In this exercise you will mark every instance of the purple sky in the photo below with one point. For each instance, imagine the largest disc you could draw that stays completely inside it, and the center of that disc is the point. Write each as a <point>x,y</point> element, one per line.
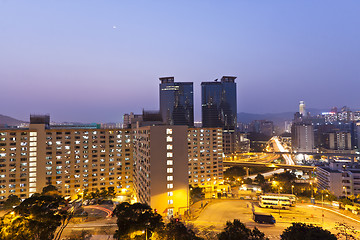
<point>93,61</point>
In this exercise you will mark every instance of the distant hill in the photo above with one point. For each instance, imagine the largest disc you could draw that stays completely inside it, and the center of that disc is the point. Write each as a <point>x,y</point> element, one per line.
<point>6,120</point>
<point>277,118</point>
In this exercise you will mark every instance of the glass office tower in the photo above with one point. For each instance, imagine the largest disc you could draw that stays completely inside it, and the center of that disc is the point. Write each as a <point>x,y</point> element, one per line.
<point>176,102</point>
<point>218,103</point>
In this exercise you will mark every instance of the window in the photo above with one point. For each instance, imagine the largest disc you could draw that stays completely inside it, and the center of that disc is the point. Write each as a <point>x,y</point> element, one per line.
<point>169,162</point>
<point>169,147</point>
<point>170,178</point>
<point>170,186</point>
<point>169,139</point>
<point>169,170</point>
<point>170,201</point>
<point>170,194</point>
<point>168,131</point>
<point>169,154</point>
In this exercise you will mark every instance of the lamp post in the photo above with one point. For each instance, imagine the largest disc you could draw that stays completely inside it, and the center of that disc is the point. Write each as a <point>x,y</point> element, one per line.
<point>345,191</point>
<point>279,203</point>
<point>292,189</point>
<point>312,193</point>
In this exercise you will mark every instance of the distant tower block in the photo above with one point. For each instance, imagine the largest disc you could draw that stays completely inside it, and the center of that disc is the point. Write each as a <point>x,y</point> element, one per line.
<point>302,110</point>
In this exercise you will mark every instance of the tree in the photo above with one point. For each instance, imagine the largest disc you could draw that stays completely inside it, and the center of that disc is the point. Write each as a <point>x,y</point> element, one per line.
<point>111,192</point>
<point>237,230</point>
<point>260,179</point>
<point>135,217</point>
<point>345,231</point>
<point>175,229</point>
<point>196,194</point>
<point>37,217</point>
<point>248,181</point>
<point>11,201</point>
<point>301,231</point>
<point>50,190</point>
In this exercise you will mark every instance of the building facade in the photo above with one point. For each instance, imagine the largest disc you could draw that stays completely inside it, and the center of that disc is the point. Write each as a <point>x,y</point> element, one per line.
<point>161,168</point>
<point>218,103</point>
<point>340,178</point>
<point>152,163</point>
<point>176,102</point>
<point>72,159</point>
<point>302,137</point>
<point>205,156</point>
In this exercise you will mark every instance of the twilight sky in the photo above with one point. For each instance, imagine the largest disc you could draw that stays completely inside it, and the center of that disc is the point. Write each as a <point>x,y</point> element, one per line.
<point>93,61</point>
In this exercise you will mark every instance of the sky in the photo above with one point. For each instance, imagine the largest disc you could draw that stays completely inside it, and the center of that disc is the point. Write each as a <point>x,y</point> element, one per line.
<point>93,61</point>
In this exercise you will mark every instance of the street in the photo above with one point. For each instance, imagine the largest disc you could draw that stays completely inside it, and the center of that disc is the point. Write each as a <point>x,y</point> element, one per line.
<point>220,211</point>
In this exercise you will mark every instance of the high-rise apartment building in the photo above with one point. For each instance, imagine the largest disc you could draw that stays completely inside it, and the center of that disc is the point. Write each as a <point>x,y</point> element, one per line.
<point>154,163</point>
<point>218,102</point>
<point>176,102</point>
<point>205,156</point>
<point>72,159</point>
<point>161,167</point>
<point>302,135</point>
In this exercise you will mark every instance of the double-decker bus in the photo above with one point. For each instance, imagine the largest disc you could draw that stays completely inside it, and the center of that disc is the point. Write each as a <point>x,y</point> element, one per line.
<point>277,201</point>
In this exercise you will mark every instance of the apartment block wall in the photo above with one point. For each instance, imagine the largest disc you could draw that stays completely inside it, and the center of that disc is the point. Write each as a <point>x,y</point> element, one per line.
<point>205,146</point>
<point>161,171</point>
<point>71,159</point>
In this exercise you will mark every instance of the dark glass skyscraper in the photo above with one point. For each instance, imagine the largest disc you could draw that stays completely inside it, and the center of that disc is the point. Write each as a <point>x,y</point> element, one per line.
<point>218,103</point>
<point>176,102</point>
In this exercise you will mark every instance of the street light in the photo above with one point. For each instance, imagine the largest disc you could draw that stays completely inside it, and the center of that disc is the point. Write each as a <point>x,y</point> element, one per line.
<point>312,193</point>
<point>292,189</point>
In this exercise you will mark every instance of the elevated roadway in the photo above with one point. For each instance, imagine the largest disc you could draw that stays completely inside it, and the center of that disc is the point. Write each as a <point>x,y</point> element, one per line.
<point>269,165</point>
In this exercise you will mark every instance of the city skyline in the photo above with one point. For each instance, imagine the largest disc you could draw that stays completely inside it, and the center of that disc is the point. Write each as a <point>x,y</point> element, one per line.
<point>93,62</point>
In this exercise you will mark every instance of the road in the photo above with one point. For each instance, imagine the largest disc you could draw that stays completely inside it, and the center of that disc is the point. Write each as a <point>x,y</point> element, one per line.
<point>268,174</point>
<point>217,213</point>
<point>279,148</point>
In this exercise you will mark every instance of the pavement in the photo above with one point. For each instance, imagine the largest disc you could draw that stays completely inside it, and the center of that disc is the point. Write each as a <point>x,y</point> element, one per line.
<point>218,212</point>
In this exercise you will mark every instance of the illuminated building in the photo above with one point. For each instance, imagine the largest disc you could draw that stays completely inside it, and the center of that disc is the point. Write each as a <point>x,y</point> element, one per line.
<point>176,102</point>
<point>72,159</point>
<point>302,137</point>
<point>302,110</point>
<point>161,168</point>
<point>340,178</point>
<point>205,156</point>
<point>150,162</point>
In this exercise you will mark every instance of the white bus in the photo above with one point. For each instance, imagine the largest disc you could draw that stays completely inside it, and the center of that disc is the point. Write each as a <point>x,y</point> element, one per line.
<point>277,201</point>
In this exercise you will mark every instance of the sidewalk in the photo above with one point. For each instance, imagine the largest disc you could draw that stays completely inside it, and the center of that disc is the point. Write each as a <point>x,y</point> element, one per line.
<point>197,208</point>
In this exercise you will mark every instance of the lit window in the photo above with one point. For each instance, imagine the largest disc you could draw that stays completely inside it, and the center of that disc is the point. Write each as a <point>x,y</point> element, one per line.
<point>169,170</point>
<point>170,186</point>
<point>170,194</point>
<point>168,131</point>
<point>169,139</point>
<point>169,154</point>
<point>170,201</point>
<point>170,178</point>
<point>169,162</point>
<point>32,149</point>
<point>33,134</point>
<point>169,147</point>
